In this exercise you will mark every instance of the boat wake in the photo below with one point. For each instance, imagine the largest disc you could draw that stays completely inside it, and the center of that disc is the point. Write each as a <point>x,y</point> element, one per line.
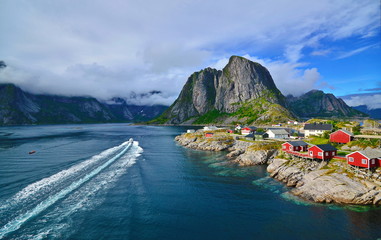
<point>52,202</point>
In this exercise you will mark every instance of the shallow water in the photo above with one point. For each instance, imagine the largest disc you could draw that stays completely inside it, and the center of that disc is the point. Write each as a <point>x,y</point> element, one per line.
<point>91,182</point>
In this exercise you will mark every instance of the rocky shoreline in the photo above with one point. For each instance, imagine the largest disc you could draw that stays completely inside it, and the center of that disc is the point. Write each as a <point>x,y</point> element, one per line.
<point>321,182</point>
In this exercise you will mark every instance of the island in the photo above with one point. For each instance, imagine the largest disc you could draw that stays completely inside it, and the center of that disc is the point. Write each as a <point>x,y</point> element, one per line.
<point>330,180</point>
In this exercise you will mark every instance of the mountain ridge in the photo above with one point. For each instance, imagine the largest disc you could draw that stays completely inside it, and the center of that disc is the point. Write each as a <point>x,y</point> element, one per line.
<point>19,107</point>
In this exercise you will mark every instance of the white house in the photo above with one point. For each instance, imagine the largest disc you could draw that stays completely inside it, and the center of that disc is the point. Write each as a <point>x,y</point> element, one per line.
<point>316,129</point>
<point>209,128</point>
<point>278,133</point>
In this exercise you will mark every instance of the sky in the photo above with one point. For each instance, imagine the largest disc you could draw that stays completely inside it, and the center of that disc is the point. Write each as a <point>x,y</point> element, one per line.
<point>122,47</point>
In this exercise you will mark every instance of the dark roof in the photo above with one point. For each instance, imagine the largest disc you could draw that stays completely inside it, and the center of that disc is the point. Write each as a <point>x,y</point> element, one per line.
<point>250,135</point>
<point>259,133</point>
<point>318,126</point>
<point>297,143</point>
<point>326,147</point>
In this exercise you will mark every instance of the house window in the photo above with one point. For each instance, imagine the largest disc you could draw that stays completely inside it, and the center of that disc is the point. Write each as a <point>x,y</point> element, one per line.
<point>373,161</point>
<point>320,154</point>
<point>351,159</point>
<point>310,153</point>
<point>363,161</point>
<point>333,154</point>
<point>326,154</point>
<point>290,148</point>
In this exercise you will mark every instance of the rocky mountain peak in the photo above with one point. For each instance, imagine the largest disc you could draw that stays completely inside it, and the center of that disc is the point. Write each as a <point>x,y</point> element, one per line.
<point>244,80</point>
<point>239,86</point>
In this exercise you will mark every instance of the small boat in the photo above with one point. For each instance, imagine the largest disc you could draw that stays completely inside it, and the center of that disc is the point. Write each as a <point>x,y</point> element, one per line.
<point>31,152</point>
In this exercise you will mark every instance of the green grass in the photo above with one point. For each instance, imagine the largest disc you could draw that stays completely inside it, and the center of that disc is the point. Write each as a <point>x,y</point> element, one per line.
<point>318,140</point>
<point>210,117</point>
<point>363,143</point>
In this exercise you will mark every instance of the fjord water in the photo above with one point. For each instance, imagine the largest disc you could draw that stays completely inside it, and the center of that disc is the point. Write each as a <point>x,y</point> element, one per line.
<point>93,182</point>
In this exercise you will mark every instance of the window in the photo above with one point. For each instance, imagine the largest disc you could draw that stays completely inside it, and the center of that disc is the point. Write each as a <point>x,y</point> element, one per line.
<point>310,153</point>
<point>326,154</point>
<point>320,154</point>
<point>373,161</point>
<point>290,148</point>
<point>333,154</point>
<point>351,159</point>
<point>364,161</point>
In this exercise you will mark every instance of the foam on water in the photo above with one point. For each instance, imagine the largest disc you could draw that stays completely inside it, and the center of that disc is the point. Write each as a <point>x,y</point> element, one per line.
<point>46,184</point>
<point>79,193</point>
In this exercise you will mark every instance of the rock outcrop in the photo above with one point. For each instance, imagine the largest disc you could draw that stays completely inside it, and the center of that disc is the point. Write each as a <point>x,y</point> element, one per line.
<point>239,151</point>
<point>315,183</point>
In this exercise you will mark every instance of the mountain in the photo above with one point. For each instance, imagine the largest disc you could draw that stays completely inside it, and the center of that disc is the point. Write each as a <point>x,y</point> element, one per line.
<point>373,113</point>
<point>316,103</point>
<point>243,91</point>
<point>18,107</point>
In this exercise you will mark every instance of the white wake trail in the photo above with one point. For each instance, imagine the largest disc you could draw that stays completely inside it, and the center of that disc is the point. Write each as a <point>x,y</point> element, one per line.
<point>17,222</point>
<point>45,184</point>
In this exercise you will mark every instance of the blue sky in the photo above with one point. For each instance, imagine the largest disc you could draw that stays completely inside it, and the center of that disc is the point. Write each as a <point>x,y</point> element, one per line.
<point>112,48</point>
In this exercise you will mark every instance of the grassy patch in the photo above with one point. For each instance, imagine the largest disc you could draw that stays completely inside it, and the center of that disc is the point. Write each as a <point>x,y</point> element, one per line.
<point>210,117</point>
<point>261,145</point>
<point>318,140</point>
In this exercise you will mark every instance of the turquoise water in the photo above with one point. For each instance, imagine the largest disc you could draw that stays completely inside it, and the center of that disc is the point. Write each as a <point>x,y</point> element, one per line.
<point>93,182</point>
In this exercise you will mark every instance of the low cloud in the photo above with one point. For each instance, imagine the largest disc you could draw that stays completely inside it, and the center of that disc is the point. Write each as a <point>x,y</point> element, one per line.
<point>371,100</point>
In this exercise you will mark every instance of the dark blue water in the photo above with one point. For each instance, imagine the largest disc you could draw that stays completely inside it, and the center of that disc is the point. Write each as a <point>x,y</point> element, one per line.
<point>91,182</point>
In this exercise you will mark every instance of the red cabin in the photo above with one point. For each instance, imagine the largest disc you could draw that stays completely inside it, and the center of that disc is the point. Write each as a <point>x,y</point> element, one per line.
<point>209,135</point>
<point>322,151</point>
<point>341,136</point>
<point>229,131</point>
<point>246,130</point>
<point>366,159</point>
<point>295,146</point>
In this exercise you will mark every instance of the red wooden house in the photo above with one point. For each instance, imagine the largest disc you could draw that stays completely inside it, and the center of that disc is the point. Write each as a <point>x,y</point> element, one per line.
<point>341,136</point>
<point>246,130</point>
<point>322,151</point>
<point>230,131</point>
<point>209,134</point>
<point>295,146</point>
<point>366,158</point>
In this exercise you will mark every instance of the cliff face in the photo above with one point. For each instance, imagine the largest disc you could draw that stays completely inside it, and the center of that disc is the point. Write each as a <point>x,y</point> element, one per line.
<point>316,103</point>
<point>197,96</point>
<point>243,91</point>
<point>18,107</point>
<point>244,80</point>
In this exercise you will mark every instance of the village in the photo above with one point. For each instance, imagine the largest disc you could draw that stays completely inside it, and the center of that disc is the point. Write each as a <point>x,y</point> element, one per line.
<point>317,141</point>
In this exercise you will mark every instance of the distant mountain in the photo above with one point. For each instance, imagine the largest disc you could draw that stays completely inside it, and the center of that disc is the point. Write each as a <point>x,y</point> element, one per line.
<point>19,107</point>
<point>373,113</point>
<point>243,91</point>
<point>316,103</point>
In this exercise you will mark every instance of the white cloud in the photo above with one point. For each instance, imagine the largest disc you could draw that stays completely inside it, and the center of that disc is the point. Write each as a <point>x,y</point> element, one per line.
<point>108,48</point>
<point>355,51</point>
<point>371,101</point>
<point>321,52</point>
